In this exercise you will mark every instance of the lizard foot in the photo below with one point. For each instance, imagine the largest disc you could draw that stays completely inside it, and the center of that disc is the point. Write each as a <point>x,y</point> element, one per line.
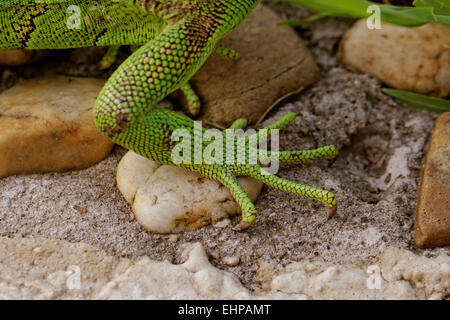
<point>226,174</point>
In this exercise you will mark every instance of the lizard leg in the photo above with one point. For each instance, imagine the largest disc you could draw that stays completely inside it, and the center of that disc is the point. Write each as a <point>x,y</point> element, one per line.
<point>109,57</point>
<point>193,102</point>
<point>226,52</point>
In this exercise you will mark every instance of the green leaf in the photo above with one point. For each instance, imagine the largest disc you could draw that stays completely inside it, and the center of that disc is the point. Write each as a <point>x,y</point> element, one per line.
<point>420,101</point>
<point>407,16</point>
<point>424,12</point>
<point>441,7</point>
<point>443,19</point>
<point>337,7</point>
<point>310,19</point>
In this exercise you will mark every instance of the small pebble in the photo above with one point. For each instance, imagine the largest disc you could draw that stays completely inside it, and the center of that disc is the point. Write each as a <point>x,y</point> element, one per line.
<point>222,223</point>
<point>214,254</point>
<point>79,209</point>
<point>231,261</point>
<point>173,239</point>
<point>37,250</point>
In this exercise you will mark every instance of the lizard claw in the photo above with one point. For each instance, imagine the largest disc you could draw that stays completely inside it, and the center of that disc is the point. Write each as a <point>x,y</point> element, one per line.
<point>242,226</point>
<point>331,162</point>
<point>332,212</point>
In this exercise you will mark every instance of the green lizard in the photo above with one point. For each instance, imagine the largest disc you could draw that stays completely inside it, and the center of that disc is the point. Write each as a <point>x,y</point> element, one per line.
<point>176,38</point>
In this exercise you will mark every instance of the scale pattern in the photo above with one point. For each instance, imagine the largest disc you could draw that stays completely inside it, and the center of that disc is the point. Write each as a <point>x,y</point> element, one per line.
<point>176,38</point>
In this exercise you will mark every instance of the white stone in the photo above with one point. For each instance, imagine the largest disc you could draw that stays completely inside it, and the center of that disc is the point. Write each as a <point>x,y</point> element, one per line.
<point>167,199</point>
<point>403,275</point>
<point>231,261</point>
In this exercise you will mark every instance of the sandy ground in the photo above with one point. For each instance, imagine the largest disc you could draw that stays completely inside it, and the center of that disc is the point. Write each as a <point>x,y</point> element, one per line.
<point>375,178</point>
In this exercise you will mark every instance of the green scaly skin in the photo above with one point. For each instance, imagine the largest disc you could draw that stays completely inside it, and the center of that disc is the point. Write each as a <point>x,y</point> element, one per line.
<point>176,38</point>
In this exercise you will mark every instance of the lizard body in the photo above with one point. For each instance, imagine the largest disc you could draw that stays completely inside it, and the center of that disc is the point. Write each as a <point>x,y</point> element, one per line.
<point>61,24</point>
<point>176,38</point>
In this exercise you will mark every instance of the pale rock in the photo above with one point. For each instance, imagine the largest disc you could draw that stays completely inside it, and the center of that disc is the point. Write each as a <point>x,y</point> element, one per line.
<point>222,223</point>
<point>194,279</point>
<point>132,173</point>
<point>430,276</point>
<point>398,274</point>
<point>396,170</point>
<point>329,282</point>
<point>25,274</point>
<point>371,236</point>
<point>56,269</point>
<point>53,269</point>
<point>413,59</point>
<point>46,124</point>
<point>167,199</point>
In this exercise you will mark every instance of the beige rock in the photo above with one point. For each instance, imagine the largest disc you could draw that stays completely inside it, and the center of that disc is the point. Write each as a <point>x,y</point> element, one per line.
<point>47,125</point>
<point>398,274</point>
<point>194,279</point>
<point>56,269</point>
<point>413,59</point>
<point>274,61</point>
<point>167,199</point>
<point>432,223</point>
<point>14,58</point>
<point>430,277</point>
